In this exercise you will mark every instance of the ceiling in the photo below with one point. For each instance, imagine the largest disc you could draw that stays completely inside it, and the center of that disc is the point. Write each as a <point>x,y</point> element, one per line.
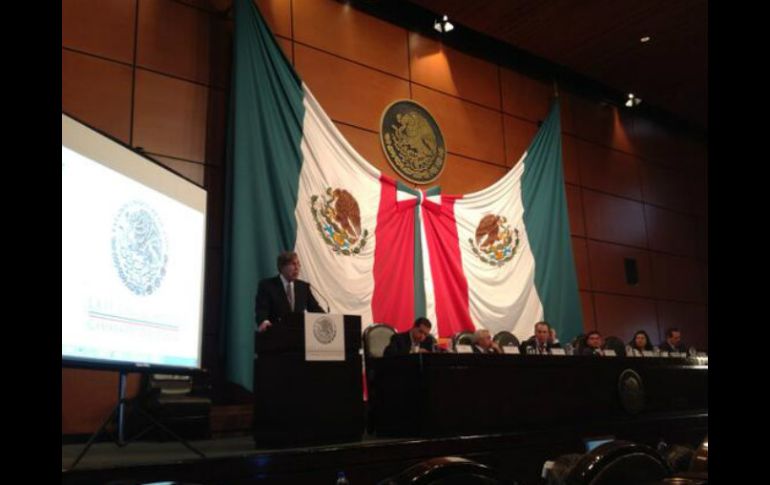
<point>600,39</point>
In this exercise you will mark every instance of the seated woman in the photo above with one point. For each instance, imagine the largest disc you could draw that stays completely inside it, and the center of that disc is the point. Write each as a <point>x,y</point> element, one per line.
<point>640,342</point>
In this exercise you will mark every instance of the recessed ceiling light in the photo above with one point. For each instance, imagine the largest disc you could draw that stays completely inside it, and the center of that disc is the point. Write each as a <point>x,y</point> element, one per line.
<point>645,39</point>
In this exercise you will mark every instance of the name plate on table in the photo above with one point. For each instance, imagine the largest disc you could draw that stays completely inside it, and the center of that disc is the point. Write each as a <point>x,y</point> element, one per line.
<point>609,353</point>
<point>510,349</point>
<point>324,336</point>
<point>557,351</point>
<point>464,349</point>
<point>648,353</point>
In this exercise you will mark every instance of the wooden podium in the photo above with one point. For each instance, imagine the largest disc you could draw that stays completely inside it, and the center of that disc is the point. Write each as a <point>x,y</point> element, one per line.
<point>299,402</point>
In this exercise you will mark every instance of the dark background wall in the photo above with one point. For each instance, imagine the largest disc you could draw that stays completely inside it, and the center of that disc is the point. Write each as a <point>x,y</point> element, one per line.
<point>155,74</point>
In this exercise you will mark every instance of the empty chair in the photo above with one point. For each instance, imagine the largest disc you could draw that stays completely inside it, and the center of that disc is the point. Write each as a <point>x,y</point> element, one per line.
<point>505,338</point>
<point>614,343</point>
<point>376,338</point>
<point>462,338</point>
<point>578,343</point>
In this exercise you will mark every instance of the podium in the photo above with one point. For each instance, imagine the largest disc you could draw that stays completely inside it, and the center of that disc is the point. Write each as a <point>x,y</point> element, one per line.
<point>299,402</point>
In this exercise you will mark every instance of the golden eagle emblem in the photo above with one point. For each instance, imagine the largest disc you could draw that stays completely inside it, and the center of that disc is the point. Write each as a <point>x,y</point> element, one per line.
<point>338,220</point>
<point>412,142</point>
<point>495,243</point>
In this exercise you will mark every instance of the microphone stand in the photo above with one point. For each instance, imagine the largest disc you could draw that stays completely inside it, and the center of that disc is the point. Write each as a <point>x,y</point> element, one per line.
<point>328,308</point>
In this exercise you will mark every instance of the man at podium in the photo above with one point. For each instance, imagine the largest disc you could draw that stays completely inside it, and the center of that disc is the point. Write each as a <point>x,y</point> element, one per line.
<point>283,294</point>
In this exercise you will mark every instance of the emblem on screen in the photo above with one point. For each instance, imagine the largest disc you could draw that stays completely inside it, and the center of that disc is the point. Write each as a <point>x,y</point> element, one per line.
<point>139,248</point>
<point>324,330</point>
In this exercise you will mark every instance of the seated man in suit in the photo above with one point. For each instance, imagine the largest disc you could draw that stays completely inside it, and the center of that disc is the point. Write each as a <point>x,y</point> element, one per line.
<point>283,294</point>
<point>541,342</point>
<point>673,342</point>
<point>483,343</point>
<point>415,340</point>
<point>554,339</point>
<point>593,344</point>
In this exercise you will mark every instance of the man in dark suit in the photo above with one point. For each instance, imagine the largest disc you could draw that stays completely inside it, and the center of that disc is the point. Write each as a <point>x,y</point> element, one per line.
<point>673,342</point>
<point>593,344</point>
<point>416,340</point>
<point>283,294</point>
<point>541,342</point>
<point>483,343</point>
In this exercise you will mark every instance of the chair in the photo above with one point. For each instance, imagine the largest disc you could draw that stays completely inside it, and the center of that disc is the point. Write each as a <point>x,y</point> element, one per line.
<point>449,470</point>
<point>462,338</point>
<point>560,467</point>
<point>579,343</point>
<point>505,338</point>
<point>678,457</point>
<point>614,343</point>
<point>376,338</point>
<point>619,462</point>
<point>700,460</point>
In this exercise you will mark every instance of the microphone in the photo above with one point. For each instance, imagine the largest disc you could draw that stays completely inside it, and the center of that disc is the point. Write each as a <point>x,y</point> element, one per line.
<point>328,309</point>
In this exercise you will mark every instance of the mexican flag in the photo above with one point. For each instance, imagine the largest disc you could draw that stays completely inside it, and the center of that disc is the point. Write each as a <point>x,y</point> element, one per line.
<point>499,258</point>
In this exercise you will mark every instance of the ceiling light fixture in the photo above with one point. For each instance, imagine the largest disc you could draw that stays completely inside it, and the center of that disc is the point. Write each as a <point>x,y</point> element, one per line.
<point>632,100</point>
<point>443,25</point>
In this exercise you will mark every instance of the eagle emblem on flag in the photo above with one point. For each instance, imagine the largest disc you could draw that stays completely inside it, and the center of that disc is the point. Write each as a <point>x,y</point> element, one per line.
<point>338,220</point>
<point>495,242</point>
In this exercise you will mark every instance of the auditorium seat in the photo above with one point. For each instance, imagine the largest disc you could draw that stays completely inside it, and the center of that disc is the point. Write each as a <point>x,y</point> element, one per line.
<point>449,470</point>
<point>614,343</point>
<point>578,344</point>
<point>505,338</point>
<point>678,457</point>
<point>376,338</point>
<point>700,460</point>
<point>462,338</point>
<point>616,462</point>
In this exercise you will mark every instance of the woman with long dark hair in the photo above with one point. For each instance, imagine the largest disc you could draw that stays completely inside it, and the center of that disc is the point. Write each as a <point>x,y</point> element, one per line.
<point>640,342</point>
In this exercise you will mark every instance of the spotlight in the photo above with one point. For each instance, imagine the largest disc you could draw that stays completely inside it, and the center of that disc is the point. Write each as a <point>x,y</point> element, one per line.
<point>645,39</point>
<point>632,100</point>
<point>443,25</point>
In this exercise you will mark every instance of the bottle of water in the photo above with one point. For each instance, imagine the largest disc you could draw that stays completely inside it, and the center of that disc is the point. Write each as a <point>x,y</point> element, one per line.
<point>342,479</point>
